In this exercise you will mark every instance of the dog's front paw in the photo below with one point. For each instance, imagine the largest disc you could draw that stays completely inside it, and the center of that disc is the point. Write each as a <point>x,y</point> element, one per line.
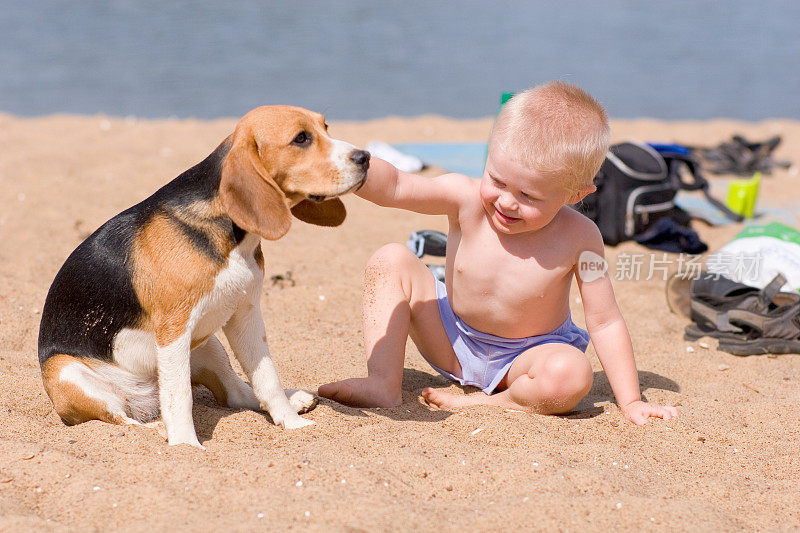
<point>301,401</point>
<point>293,421</point>
<point>176,436</point>
<point>190,441</point>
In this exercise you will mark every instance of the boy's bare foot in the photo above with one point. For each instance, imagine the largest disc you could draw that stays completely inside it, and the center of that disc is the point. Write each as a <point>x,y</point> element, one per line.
<point>447,400</point>
<point>361,392</point>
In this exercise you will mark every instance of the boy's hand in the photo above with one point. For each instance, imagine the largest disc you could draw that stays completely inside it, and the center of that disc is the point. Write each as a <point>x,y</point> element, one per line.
<point>638,412</point>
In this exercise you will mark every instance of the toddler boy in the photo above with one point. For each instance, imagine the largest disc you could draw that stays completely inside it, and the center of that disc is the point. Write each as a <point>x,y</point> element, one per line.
<point>501,321</point>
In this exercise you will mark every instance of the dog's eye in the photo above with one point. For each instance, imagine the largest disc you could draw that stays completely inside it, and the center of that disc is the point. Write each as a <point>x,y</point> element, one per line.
<point>302,139</point>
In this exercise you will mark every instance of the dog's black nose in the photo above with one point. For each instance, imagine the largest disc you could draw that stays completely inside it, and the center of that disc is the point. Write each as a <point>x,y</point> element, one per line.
<point>360,158</point>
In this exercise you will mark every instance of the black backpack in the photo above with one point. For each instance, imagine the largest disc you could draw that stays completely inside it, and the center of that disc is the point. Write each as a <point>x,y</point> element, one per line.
<point>636,186</point>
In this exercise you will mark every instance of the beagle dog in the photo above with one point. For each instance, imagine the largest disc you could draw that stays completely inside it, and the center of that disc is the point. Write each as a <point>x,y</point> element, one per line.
<point>128,324</point>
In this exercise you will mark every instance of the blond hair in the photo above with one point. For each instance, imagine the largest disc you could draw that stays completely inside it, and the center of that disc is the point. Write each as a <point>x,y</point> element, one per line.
<point>555,128</point>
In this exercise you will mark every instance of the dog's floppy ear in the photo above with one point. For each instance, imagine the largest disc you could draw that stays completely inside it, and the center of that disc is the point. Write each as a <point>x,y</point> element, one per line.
<point>249,194</point>
<point>328,213</point>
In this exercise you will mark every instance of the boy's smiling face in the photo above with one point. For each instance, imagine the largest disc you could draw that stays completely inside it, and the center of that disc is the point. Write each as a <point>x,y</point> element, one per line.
<point>517,199</point>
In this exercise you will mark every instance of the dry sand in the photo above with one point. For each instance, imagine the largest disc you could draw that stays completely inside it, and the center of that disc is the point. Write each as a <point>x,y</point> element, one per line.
<point>730,462</point>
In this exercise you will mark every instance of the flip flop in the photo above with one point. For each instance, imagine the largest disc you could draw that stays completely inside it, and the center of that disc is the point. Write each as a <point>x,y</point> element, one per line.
<point>437,271</point>
<point>428,242</point>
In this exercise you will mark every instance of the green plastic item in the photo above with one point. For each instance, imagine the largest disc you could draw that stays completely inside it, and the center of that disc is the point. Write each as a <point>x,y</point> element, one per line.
<point>742,195</point>
<point>504,97</point>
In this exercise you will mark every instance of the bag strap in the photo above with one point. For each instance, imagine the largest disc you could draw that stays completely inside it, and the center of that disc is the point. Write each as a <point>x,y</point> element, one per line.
<point>699,183</point>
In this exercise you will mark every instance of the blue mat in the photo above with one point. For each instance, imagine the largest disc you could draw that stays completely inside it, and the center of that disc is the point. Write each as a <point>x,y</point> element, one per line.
<point>464,158</point>
<point>701,208</point>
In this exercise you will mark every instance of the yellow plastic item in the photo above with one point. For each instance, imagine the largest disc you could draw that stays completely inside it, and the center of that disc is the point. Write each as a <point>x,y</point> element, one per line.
<point>742,195</point>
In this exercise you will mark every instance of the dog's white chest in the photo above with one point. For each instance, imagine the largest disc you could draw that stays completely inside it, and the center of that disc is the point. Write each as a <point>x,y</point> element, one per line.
<point>238,284</point>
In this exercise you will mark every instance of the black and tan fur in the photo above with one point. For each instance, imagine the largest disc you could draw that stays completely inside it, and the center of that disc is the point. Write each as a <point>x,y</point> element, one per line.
<point>156,267</point>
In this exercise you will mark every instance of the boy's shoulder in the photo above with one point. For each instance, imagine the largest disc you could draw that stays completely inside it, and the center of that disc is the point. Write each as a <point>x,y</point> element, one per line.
<point>578,230</point>
<point>459,185</point>
<point>459,181</point>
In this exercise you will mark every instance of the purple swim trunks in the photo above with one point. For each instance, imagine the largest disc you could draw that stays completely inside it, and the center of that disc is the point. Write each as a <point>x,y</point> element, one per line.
<point>484,358</point>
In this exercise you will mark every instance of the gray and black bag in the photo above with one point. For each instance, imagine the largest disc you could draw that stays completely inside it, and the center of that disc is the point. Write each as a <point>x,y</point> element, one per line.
<point>636,186</point>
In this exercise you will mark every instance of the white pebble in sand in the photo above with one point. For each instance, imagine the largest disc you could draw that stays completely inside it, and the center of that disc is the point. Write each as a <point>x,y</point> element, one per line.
<point>722,367</point>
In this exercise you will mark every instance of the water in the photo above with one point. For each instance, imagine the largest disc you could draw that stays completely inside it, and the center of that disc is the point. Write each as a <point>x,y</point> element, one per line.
<point>363,59</point>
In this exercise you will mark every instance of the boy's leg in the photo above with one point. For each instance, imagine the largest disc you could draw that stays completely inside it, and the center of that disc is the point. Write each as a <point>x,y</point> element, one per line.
<point>548,379</point>
<point>399,299</point>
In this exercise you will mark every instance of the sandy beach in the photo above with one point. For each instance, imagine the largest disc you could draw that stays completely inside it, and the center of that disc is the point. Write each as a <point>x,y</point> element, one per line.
<point>731,461</point>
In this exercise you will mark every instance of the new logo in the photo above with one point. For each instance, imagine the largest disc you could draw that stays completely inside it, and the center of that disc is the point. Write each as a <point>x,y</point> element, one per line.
<point>591,266</point>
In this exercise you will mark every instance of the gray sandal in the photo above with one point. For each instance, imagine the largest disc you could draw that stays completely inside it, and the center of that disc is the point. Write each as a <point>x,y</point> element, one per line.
<point>713,301</point>
<point>775,331</point>
<point>748,321</point>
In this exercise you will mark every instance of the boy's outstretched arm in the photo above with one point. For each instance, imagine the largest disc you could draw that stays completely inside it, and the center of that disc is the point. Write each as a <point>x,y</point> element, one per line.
<point>612,342</point>
<point>389,187</point>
